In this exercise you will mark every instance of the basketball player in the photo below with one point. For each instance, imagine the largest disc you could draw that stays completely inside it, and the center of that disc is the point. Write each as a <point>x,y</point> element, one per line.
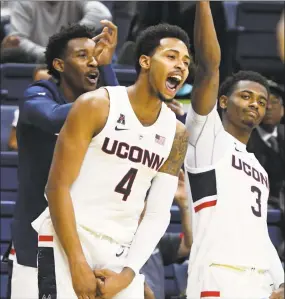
<point>232,255</point>
<point>70,60</point>
<point>117,145</point>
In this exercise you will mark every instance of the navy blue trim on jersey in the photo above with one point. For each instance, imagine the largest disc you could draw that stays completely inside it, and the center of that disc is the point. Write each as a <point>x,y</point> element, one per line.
<point>202,184</point>
<point>46,273</point>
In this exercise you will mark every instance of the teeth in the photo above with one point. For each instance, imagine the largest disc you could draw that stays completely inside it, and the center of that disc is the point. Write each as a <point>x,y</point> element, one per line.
<point>177,77</point>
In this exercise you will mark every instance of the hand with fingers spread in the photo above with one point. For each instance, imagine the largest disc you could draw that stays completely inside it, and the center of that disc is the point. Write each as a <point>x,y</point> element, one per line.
<point>106,43</point>
<point>111,283</point>
<point>83,280</point>
<point>176,107</point>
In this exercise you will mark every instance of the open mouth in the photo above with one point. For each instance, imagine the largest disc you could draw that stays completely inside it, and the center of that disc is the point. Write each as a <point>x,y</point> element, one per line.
<point>92,77</point>
<point>172,82</point>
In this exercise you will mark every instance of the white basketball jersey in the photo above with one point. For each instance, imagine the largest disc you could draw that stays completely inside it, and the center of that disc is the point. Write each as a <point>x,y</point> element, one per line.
<point>229,197</point>
<point>120,163</point>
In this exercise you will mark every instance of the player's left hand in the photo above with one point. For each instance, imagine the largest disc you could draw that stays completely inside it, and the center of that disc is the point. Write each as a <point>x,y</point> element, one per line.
<point>106,43</point>
<point>176,107</point>
<point>110,283</point>
<point>278,294</point>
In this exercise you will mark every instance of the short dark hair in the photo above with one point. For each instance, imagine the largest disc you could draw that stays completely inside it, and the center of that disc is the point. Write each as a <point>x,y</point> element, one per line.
<point>276,89</point>
<point>57,43</point>
<point>149,40</point>
<point>228,86</point>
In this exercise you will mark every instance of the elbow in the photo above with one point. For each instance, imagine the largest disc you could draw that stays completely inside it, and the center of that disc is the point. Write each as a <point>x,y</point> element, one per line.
<point>51,191</point>
<point>188,245</point>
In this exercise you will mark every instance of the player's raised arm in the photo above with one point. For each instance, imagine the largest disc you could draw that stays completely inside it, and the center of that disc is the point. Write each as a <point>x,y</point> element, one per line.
<point>86,119</point>
<point>157,215</point>
<point>207,56</point>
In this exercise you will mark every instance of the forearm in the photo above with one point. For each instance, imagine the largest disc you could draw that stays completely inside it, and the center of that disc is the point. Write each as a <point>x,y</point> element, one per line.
<point>45,114</point>
<point>63,219</point>
<point>186,226</point>
<point>149,232</point>
<point>108,75</point>
<point>208,56</point>
<point>207,49</point>
<point>156,220</point>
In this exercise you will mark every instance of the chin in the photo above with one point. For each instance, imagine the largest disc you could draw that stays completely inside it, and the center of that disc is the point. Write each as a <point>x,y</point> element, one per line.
<point>164,99</point>
<point>250,124</point>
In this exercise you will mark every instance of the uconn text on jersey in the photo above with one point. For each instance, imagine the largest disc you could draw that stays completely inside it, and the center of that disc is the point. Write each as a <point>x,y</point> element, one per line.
<point>133,153</point>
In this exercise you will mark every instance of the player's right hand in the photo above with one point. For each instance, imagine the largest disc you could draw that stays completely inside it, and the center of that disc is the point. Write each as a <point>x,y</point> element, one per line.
<point>106,43</point>
<point>83,280</point>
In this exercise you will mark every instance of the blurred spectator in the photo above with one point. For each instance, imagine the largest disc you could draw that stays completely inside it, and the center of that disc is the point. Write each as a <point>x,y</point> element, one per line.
<point>267,143</point>
<point>40,73</point>
<point>123,13</point>
<point>172,247</point>
<point>33,22</point>
<point>280,37</point>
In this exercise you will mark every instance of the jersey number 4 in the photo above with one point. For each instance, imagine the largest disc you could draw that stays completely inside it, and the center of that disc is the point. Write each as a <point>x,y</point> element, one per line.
<point>125,185</point>
<point>256,210</point>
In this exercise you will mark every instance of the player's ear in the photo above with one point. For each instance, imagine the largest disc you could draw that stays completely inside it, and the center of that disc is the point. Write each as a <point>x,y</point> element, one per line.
<point>223,101</point>
<point>144,62</point>
<point>58,64</point>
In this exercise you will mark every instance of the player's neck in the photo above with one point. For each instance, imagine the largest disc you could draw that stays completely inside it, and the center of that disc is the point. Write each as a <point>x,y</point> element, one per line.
<point>241,134</point>
<point>69,94</point>
<point>145,104</point>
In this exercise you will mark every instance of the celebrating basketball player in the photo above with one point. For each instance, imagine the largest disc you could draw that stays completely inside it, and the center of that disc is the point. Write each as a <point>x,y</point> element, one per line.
<point>117,146</point>
<point>232,255</point>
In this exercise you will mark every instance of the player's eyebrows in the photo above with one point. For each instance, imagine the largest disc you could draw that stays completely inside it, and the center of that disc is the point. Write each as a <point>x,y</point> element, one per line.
<point>77,50</point>
<point>252,93</point>
<point>178,52</point>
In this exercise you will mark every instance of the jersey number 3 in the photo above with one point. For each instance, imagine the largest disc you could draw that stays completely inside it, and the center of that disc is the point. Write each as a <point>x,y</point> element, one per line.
<point>256,210</point>
<point>125,185</point>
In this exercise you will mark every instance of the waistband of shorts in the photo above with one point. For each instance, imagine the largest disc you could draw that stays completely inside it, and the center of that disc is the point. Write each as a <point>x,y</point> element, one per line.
<point>240,268</point>
<point>100,236</point>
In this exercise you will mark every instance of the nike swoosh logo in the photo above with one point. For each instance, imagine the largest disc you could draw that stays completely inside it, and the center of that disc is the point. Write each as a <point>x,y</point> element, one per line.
<point>120,129</point>
<point>119,254</point>
<point>237,150</point>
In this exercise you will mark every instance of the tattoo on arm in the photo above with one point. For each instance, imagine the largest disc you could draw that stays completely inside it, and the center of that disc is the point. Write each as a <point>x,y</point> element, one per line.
<point>177,154</point>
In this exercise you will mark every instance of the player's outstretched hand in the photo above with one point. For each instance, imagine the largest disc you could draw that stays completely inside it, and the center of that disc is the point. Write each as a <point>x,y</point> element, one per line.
<point>180,196</point>
<point>83,280</point>
<point>176,107</point>
<point>106,43</point>
<point>278,294</point>
<point>111,283</point>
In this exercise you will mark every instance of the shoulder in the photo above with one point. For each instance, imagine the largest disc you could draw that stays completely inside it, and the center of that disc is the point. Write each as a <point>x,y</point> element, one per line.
<point>27,6</point>
<point>98,7</point>
<point>95,100</point>
<point>94,104</point>
<point>37,89</point>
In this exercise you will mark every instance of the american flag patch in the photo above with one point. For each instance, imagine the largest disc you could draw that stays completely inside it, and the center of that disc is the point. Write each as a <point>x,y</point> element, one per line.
<point>159,139</point>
